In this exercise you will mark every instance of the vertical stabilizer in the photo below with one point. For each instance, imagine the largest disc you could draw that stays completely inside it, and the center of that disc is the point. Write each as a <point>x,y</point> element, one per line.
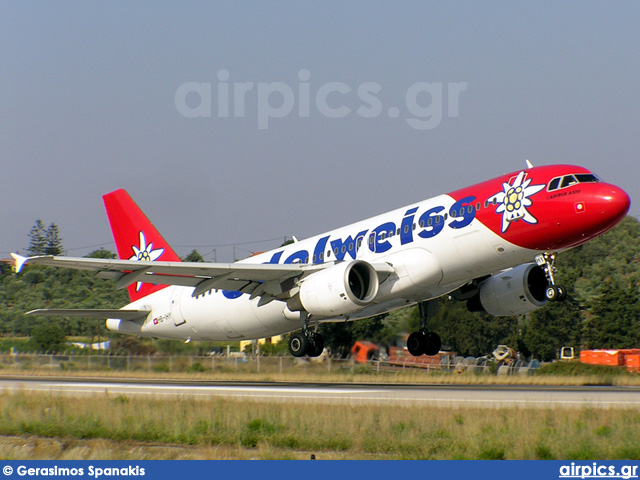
<point>136,238</point>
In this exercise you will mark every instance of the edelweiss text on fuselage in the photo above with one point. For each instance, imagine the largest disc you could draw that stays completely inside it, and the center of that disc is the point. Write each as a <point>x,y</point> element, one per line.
<point>431,223</point>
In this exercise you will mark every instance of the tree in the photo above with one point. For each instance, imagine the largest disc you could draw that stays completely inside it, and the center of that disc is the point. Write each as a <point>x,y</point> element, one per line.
<point>101,253</point>
<point>126,345</point>
<point>554,326</point>
<point>37,239</point>
<point>194,256</point>
<point>48,337</point>
<point>53,241</point>
<point>44,241</point>
<point>472,334</point>
<point>614,319</point>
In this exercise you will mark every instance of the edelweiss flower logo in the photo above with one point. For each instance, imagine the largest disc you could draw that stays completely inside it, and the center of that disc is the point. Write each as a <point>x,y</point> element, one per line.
<point>514,200</point>
<point>145,253</point>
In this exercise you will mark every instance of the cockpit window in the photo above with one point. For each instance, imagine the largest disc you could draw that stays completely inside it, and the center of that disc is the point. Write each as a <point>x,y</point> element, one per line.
<point>569,180</point>
<point>587,178</point>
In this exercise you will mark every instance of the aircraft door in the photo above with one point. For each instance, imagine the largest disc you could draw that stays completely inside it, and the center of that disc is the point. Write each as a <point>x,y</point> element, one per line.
<point>176,310</point>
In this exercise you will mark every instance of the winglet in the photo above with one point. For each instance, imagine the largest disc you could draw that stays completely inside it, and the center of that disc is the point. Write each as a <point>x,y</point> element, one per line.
<point>20,261</point>
<point>529,164</point>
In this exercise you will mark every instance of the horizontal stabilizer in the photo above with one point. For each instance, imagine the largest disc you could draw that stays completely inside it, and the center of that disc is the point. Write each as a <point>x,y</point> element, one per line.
<point>99,313</point>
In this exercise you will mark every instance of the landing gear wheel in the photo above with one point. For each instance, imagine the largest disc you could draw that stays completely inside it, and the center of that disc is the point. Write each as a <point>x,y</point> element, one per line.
<point>298,344</point>
<point>423,341</point>
<point>433,343</point>
<point>416,343</point>
<point>555,293</point>
<point>552,293</point>
<point>562,293</point>
<point>316,345</point>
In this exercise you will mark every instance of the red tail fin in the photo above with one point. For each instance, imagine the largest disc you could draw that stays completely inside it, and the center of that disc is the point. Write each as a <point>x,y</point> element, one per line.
<point>136,238</point>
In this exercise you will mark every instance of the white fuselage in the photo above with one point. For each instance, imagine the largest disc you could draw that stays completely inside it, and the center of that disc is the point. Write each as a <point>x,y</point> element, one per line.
<point>432,253</point>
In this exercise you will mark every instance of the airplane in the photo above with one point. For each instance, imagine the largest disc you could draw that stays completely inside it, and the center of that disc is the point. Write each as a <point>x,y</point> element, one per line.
<point>493,245</point>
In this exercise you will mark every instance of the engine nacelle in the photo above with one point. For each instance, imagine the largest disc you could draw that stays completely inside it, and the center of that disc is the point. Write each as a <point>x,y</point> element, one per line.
<point>339,290</point>
<point>514,292</point>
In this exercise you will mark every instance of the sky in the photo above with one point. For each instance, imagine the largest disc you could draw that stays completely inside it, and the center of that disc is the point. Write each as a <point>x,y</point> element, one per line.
<point>242,123</point>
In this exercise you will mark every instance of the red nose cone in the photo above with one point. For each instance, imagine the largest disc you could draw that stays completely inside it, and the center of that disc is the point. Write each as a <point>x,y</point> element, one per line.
<point>612,203</point>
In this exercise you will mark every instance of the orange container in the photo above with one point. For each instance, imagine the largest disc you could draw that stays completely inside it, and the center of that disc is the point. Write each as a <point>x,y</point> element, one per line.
<point>632,362</point>
<point>603,357</point>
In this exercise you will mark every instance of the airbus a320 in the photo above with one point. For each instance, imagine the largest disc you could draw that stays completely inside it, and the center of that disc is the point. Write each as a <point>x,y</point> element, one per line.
<point>492,245</point>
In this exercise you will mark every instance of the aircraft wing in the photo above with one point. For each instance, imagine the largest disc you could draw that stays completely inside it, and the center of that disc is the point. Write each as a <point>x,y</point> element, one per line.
<point>267,280</point>
<point>98,313</point>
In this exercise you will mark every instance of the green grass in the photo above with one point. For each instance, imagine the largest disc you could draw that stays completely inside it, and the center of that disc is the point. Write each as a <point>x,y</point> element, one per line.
<point>221,428</point>
<point>578,368</point>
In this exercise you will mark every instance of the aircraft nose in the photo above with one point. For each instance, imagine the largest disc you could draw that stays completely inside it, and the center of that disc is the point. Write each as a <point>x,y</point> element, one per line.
<point>612,202</point>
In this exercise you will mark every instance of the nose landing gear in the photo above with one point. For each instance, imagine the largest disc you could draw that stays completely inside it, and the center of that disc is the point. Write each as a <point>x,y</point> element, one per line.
<point>553,292</point>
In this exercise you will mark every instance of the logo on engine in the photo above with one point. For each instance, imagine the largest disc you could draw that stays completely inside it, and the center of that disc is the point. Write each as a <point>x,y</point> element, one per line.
<point>145,253</point>
<point>514,200</point>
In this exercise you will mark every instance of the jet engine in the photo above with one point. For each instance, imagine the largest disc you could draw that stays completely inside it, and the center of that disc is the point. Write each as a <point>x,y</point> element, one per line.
<point>512,292</point>
<point>339,290</point>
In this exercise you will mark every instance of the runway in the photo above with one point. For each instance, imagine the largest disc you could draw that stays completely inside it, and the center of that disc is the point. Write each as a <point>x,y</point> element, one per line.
<point>495,396</point>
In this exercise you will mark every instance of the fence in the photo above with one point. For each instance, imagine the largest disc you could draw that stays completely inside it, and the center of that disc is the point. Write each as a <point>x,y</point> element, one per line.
<point>241,364</point>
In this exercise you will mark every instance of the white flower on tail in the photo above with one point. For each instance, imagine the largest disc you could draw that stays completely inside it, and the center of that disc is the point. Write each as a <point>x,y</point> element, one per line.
<point>514,200</point>
<point>145,253</point>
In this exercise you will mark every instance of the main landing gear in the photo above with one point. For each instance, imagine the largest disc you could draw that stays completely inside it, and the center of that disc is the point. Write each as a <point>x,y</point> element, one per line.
<point>424,342</point>
<point>306,343</point>
<point>553,292</point>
